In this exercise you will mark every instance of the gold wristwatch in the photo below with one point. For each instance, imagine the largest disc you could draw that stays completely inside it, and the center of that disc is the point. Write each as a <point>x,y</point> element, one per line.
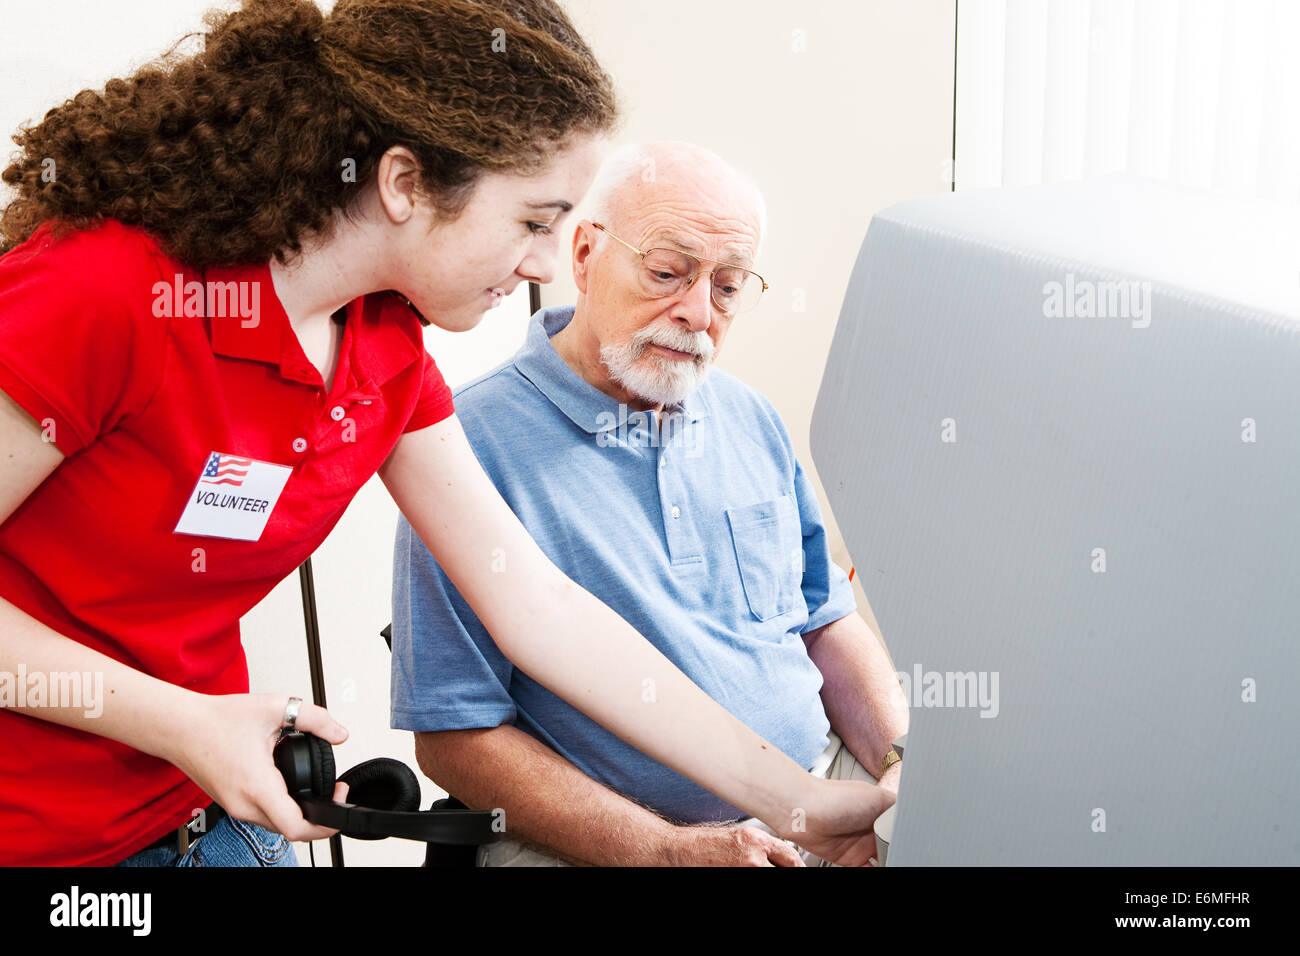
<point>891,758</point>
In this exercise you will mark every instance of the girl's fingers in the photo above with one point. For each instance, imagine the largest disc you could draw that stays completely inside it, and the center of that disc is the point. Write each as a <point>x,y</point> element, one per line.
<point>317,720</point>
<point>287,818</point>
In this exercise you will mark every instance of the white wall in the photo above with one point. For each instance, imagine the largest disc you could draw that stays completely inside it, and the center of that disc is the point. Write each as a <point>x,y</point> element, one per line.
<point>1205,95</point>
<point>851,114</point>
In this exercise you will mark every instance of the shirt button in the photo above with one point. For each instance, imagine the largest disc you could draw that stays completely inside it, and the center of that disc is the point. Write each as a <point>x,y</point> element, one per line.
<point>337,413</point>
<point>677,512</point>
<point>300,444</point>
<point>663,460</point>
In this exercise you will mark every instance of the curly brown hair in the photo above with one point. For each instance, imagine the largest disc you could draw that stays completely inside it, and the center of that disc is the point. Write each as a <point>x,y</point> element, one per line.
<point>232,155</point>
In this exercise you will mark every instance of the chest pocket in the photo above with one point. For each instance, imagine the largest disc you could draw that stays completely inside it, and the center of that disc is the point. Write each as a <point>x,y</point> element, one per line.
<point>769,553</point>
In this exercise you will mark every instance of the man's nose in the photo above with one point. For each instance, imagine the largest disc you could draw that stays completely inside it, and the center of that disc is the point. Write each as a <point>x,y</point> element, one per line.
<point>696,306</point>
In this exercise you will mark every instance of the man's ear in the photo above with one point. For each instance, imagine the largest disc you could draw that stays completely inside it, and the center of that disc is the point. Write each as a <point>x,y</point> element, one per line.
<point>583,246</point>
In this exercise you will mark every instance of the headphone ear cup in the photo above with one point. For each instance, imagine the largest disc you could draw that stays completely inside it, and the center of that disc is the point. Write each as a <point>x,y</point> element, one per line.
<point>322,767</point>
<point>383,784</point>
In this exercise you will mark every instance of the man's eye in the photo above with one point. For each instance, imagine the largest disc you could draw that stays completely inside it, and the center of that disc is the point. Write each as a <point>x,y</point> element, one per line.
<point>539,227</point>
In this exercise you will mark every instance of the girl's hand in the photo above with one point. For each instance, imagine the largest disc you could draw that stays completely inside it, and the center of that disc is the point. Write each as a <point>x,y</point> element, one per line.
<point>224,744</point>
<point>840,819</point>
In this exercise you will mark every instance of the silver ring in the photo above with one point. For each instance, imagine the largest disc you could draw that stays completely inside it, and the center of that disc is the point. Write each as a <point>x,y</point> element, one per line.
<point>291,712</point>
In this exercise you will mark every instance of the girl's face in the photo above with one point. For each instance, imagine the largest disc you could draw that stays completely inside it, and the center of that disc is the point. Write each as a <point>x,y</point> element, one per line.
<point>508,233</point>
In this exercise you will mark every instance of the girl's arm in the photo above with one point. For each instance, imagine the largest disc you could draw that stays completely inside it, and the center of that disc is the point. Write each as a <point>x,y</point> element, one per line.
<point>582,651</point>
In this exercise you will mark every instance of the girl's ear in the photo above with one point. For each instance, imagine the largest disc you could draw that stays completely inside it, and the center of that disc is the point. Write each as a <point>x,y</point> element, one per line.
<point>398,181</point>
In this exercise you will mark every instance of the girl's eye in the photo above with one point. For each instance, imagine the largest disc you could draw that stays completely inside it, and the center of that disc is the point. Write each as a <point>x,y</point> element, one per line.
<point>539,227</point>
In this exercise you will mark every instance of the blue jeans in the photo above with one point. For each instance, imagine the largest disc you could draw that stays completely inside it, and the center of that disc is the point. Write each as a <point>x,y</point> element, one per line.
<point>230,843</point>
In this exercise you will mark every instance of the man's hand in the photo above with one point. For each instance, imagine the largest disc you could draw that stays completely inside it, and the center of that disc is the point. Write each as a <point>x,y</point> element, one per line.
<point>729,846</point>
<point>860,692</point>
<point>889,779</point>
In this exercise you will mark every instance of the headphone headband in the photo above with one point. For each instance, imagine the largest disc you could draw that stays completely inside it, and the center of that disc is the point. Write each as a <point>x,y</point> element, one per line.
<point>456,827</point>
<point>307,764</point>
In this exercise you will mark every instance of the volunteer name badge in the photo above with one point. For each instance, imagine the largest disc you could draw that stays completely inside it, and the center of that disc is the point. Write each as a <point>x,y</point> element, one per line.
<point>234,498</point>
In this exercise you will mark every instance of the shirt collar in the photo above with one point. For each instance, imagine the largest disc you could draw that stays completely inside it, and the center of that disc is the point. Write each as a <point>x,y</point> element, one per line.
<point>263,342</point>
<point>382,334</point>
<point>387,336</point>
<point>587,406</point>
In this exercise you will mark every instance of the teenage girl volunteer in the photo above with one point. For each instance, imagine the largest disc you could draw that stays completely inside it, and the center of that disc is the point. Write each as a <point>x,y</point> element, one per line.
<point>171,454</point>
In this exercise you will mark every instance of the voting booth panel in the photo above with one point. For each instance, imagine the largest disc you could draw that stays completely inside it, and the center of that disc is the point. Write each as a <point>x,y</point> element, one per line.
<point>1060,430</point>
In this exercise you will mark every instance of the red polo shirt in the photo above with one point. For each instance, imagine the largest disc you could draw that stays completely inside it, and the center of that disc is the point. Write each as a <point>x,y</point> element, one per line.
<point>138,400</point>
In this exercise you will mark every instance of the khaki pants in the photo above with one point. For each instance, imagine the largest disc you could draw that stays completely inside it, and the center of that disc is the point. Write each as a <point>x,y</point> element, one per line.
<point>835,763</point>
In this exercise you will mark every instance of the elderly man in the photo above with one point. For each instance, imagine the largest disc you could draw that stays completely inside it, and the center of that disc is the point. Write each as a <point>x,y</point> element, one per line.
<point>673,494</point>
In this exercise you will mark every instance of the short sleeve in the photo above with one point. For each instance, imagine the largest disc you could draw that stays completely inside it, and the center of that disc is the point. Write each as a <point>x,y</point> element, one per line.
<point>826,588</point>
<point>435,402</point>
<point>447,673</point>
<point>80,347</point>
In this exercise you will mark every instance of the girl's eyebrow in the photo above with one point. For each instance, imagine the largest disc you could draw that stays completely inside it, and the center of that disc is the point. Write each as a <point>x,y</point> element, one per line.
<point>563,205</point>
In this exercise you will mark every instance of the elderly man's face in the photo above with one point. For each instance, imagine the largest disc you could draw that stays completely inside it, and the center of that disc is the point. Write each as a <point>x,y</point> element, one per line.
<point>659,349</point>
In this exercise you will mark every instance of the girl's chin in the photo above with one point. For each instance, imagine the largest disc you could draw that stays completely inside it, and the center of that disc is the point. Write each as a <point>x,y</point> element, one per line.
<point>462,319</point>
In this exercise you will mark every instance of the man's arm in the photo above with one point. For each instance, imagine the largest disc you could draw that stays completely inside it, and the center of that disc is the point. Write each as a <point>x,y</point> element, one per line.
<point>577,647</point>
<point>549,801</point>
<point>860,691</point>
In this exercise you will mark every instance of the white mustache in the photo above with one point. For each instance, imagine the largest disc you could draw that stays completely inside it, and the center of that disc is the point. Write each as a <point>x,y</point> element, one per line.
<point>696,343</point>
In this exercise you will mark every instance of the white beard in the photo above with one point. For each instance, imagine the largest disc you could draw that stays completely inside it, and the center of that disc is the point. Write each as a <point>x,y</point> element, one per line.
<point>653,378</point>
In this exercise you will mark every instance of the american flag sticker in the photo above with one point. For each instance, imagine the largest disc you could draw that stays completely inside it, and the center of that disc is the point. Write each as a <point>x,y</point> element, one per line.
<point>233,498</point>
<point>225,470</point>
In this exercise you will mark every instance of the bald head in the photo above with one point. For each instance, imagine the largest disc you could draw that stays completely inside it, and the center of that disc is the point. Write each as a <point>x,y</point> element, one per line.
<point>649,180</point>
<point>647,336</point>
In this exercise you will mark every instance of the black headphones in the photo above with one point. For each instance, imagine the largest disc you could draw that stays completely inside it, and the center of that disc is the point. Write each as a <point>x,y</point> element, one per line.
<point>384,795</point>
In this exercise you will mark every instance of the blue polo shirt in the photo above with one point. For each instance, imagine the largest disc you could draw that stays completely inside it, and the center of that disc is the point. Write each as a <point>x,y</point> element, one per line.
<point>701,531</point>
